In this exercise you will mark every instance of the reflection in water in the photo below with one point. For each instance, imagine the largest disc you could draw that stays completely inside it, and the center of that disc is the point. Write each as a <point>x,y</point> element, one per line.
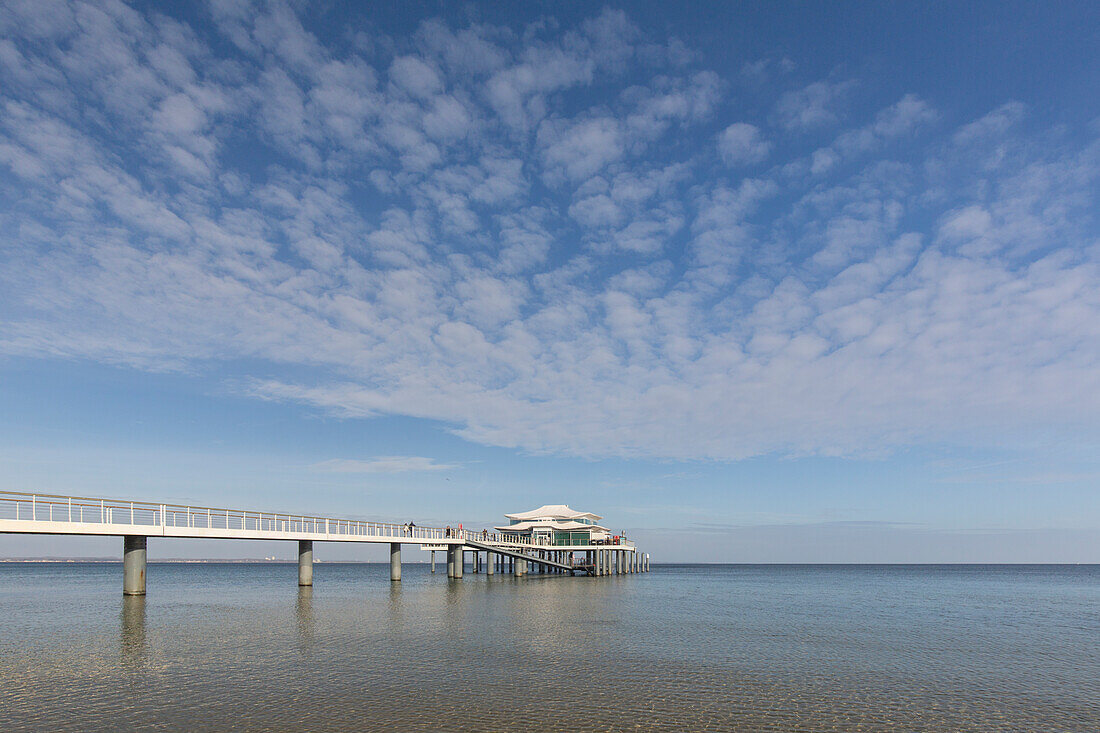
<point>133,630</point>
<point>396,606</point>
<point>780,648</point>
<point>303,611</point>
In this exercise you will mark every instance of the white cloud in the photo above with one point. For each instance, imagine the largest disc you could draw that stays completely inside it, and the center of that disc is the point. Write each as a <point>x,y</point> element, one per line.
<point>475,240</point>
<point>575,151</point>
<point>381,464</point>
<point>742,144</point>
<point>995,123</point>
<point>812,106</point>
<point>415,76</point>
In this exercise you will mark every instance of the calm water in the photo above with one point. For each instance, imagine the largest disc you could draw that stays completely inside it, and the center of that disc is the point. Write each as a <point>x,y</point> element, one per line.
<point>755,648</point>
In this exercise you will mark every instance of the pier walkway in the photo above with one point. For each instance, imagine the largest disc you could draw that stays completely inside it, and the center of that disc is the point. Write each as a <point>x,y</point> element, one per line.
<point>136,521</point>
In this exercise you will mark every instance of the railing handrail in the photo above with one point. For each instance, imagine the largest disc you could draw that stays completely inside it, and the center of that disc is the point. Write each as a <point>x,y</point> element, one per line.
<point>161,511</point>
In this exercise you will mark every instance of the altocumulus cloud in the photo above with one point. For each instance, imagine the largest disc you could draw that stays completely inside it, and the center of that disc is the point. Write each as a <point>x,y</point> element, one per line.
<point>455,225</point>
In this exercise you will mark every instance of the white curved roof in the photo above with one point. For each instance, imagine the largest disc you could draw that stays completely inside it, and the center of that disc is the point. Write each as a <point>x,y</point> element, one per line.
<point>554,511</point>
<point>562,526</point>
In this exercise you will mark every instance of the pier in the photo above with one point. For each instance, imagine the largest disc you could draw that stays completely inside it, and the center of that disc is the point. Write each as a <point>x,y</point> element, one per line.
<point>137,521</point>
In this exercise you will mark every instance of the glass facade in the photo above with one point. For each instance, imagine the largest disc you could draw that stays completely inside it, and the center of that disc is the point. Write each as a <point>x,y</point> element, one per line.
<point>571,538</point>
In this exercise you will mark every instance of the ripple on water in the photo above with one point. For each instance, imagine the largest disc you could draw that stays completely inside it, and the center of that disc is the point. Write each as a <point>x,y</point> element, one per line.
<point>689,648</point>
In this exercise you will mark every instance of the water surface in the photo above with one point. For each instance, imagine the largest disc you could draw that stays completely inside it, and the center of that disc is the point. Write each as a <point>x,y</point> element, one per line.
<point>753,648</point>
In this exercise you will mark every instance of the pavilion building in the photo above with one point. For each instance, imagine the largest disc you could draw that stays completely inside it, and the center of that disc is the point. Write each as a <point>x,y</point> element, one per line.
<point>556,525</point>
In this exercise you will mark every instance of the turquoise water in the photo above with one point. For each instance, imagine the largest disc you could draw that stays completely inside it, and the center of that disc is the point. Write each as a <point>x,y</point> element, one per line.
<point>754,648</point>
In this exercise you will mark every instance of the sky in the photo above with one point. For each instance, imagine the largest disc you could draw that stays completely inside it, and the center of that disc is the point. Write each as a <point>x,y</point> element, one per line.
<point>757,282</point>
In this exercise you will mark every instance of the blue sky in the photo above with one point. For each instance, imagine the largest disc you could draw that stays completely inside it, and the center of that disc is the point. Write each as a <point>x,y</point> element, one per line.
<point>759,282</point>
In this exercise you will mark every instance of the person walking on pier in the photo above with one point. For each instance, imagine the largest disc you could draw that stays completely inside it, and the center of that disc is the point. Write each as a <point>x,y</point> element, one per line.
<point>412,529</point>
<point>447,532</point>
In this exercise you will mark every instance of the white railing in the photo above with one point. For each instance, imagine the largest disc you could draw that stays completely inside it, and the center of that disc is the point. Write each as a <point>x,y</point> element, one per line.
<point>32,507</point>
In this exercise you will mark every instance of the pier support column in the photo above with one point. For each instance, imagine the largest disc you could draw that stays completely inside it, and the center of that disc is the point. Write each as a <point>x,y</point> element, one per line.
<point>489,563</point>
<point>133,565</point>
<point>305,562</point>
<point>395,561</point>
<point>460,561</point>
<point>433,560</point>
<point>450,561</point>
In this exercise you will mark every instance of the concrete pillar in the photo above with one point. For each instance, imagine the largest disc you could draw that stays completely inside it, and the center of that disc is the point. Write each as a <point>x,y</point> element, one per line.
<point>460,561</point>
<point>395,561</point>
<point>133,565</point>
<point>489,562</point>
<point>521,567</point>
<point>305,562</point>
<point>433,560</point>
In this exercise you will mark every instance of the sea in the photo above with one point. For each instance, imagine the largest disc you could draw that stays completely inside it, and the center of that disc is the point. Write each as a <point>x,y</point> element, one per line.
<point>239,646</point>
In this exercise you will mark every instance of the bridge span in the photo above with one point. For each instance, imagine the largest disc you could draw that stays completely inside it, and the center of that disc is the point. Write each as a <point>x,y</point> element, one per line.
<point>136,521</point>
